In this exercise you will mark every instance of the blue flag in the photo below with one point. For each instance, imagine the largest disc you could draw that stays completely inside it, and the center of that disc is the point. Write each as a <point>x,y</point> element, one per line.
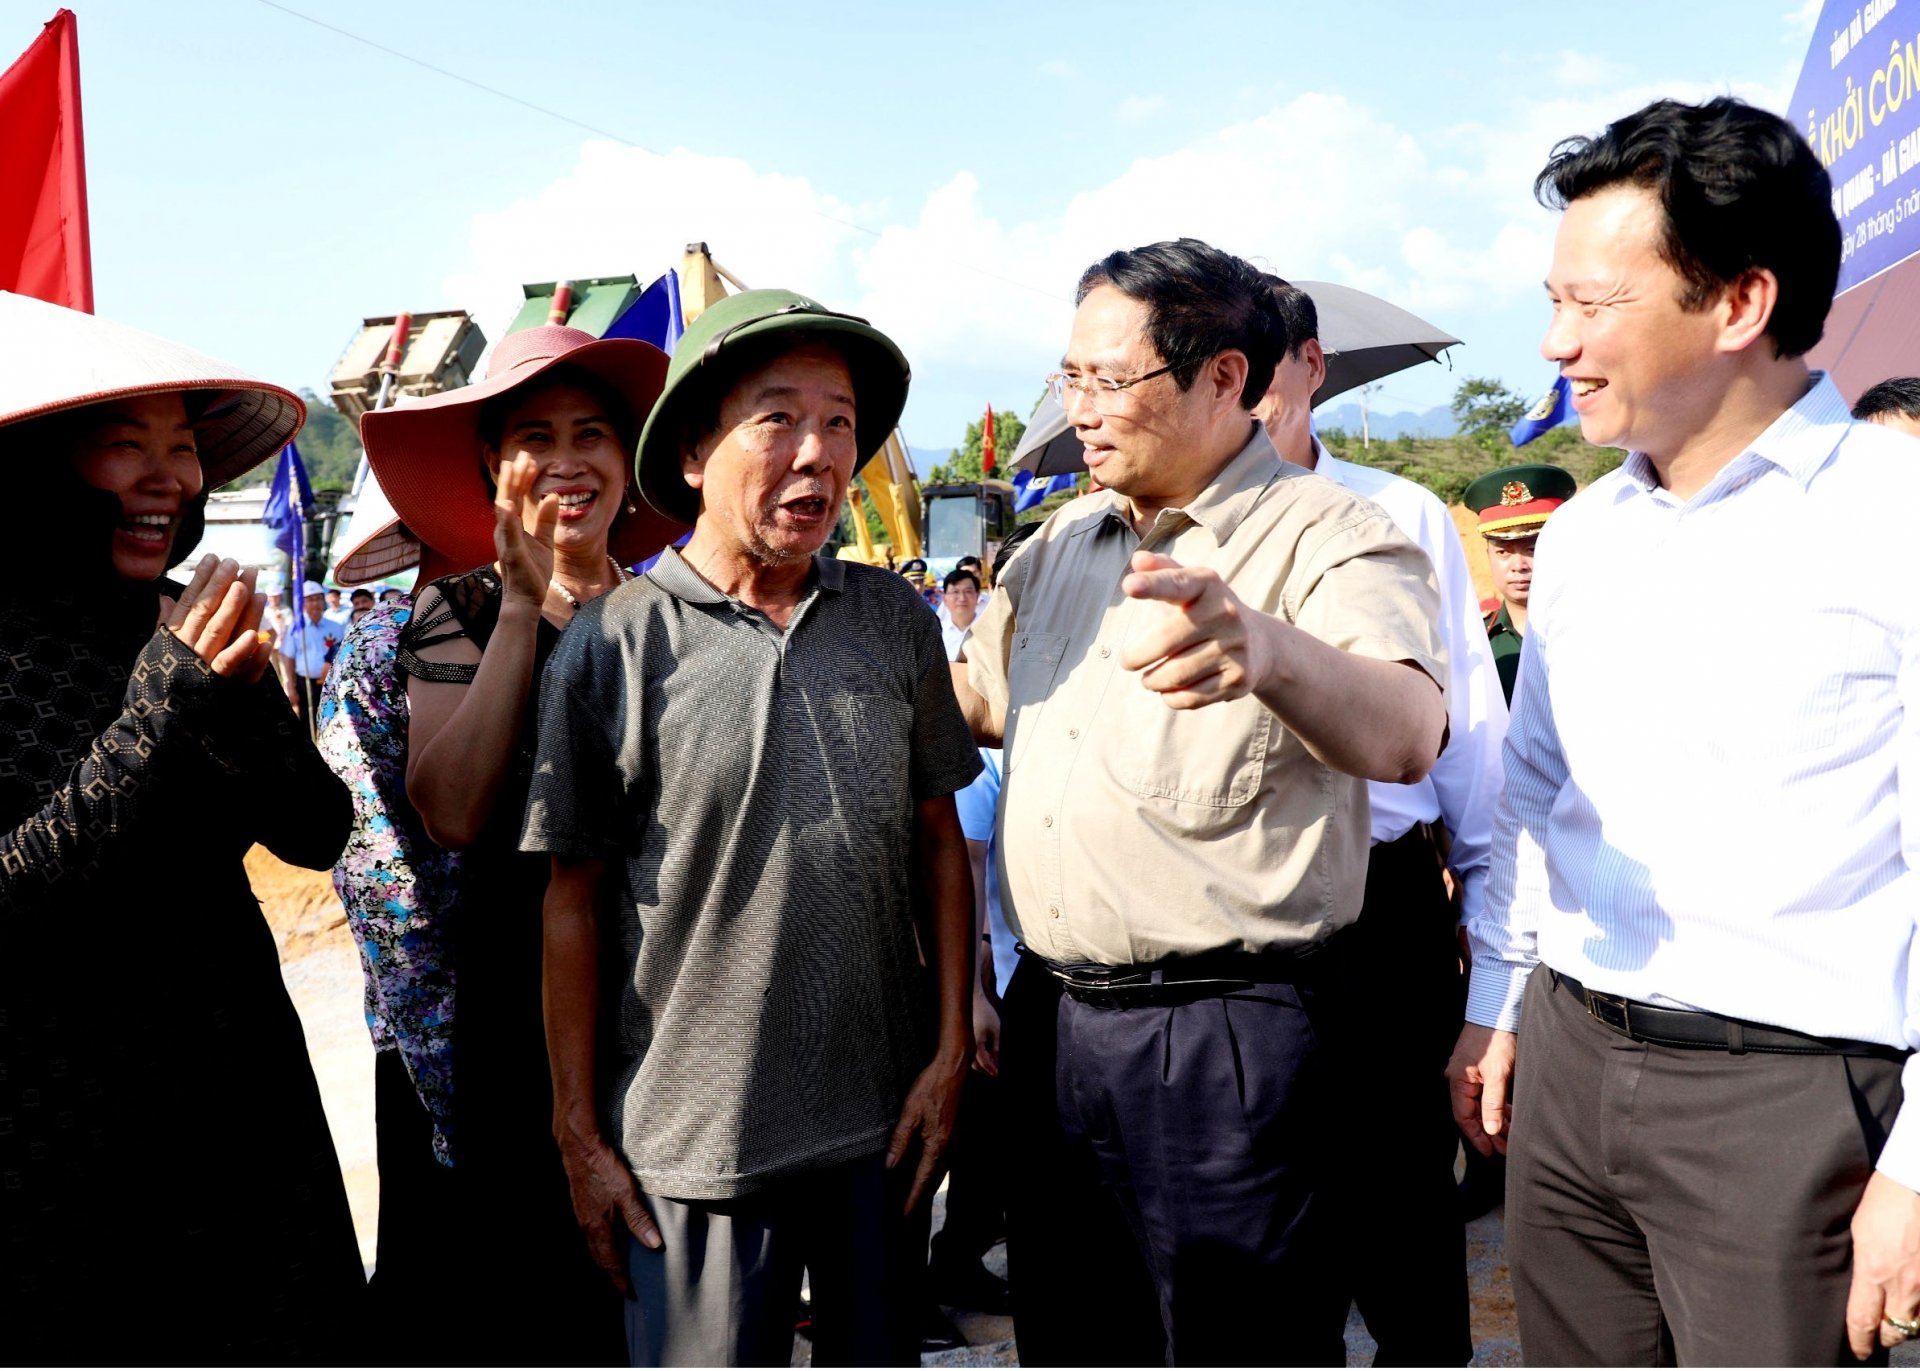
<point>1549,411</point>
<point>1028,492</point>
<point>656,317</point>
<point>289,501</point>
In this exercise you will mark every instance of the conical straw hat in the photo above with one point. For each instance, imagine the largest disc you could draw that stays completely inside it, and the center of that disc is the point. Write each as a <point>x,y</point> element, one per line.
<point>53,358</point>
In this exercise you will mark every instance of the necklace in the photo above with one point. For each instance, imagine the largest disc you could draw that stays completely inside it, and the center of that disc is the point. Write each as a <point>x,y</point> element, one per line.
<point>620,577</point>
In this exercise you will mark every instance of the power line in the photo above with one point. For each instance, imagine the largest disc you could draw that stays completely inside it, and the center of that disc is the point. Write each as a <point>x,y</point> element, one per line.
<point>599,132</point>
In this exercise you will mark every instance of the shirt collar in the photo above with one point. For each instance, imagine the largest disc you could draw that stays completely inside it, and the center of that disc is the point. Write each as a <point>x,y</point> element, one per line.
<point>1233,492</point>
<point>675,575</point>
<point>1799,442</point>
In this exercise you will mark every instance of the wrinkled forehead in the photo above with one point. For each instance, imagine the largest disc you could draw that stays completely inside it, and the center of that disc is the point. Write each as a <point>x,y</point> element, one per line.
<point>811,365</point>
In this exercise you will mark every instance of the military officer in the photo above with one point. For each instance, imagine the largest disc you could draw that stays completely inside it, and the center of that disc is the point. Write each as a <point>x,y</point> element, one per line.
<point>1513,504</point>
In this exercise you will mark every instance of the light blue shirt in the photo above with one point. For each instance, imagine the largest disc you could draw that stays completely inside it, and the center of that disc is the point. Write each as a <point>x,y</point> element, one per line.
<point>978,803</point>
<point>1713,769</point>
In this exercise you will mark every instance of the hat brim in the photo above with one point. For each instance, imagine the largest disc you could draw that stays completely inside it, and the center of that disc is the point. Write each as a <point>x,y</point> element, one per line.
<point>54,359</point>
<point>880,379</point>
<point>427,454</point>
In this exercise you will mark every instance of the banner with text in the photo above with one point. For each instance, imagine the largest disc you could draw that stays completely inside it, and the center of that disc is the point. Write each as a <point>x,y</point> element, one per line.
<point>1858,102</point>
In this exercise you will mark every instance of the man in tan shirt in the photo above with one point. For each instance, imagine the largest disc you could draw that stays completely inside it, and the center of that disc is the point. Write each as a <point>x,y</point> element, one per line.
<point>1195,672</point>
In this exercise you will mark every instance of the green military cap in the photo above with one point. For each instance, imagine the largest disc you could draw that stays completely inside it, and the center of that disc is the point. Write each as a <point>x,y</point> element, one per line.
<point>1514,502</point>
<point>760,321</point>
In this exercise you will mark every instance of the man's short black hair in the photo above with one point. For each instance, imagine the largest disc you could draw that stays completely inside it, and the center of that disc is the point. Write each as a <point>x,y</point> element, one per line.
<point>956,576</point>
<point>358,592</point>
<point>1895,395</point>
<point>1200,303</point>
<point>1299,316</point>
<point>1741,189</point>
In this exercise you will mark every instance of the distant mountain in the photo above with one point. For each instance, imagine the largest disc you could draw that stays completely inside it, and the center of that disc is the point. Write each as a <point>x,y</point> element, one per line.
<point>1433,423</point>
<point>925,459</point>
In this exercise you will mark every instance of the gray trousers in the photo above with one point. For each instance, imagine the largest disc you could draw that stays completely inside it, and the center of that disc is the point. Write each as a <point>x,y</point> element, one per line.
<point>724,1287</point>
<point>1683,1204</point>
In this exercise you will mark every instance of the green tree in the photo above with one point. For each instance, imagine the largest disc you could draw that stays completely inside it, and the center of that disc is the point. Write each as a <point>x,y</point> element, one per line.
<point>963,463</point>
<point>1485,410</point>
<point>329,446</point>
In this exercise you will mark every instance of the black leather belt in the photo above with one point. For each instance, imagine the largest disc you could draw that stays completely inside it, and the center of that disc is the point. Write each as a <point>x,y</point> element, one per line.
<point>1173,982</point>
<point>1650,1023</point>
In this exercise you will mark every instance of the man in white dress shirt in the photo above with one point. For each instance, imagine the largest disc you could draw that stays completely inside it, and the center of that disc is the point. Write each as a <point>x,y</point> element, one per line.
<point>1400,1136</point>
<point>1700,918</point>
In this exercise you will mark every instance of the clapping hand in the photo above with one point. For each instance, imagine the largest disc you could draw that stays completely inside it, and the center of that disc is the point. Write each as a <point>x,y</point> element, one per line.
<point>526,556</point>
<point>218,617</point>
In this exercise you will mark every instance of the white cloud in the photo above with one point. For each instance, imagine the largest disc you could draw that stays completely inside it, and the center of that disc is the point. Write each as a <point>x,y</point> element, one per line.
<point>1318,188</point>
<point>1139,109</point>
<point>1584,69</point>
<point>623,210</point>
<point>1058,67</point>
<point>1799,21</point>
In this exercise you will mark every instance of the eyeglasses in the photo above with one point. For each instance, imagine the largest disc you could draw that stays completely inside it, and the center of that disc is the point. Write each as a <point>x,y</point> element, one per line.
<point>1105,393</point>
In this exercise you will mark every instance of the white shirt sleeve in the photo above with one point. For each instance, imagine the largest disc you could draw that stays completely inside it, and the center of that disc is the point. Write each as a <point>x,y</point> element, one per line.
<point>1900,1158</point>
<point>1466,777</point>
<point>1504,936</point>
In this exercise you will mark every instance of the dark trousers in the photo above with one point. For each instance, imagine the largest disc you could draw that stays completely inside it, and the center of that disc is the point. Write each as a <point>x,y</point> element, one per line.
<point>1403,1245</point>
<point>490,1245</point>
<point>1683,1204</point>
<point>723,1288</point>
<point>416,1261</point>
<point>1081,1294</point>
<point>976,1177</point>
<point>1214,1122</point>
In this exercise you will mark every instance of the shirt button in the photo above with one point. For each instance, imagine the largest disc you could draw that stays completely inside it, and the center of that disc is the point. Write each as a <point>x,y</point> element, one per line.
<point>1053,910</point>
<point>1105,653</point>
<point>1073,733</point>
<point>1047,821</point>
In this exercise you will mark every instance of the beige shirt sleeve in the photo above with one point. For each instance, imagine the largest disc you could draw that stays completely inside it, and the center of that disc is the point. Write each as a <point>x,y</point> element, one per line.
<point>1368,589</point>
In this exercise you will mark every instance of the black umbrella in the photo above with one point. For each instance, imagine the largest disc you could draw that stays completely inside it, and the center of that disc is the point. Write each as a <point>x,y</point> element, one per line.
<point>1366,338</point>
<point>1363,336</point>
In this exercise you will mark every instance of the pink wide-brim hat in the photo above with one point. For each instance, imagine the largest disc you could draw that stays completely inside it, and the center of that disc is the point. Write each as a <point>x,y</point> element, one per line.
<point>53,359</point>
<point>426,451</point>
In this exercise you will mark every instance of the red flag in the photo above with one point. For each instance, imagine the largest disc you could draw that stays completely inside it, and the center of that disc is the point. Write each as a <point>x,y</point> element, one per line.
<point>43,215</point>
<point>986,444</point>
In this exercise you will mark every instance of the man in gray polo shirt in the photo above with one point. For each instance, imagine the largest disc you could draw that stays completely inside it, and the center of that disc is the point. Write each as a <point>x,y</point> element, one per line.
<point>765,744</point>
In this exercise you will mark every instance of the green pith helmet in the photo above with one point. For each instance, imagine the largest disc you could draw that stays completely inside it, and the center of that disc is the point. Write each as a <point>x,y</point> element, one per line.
<point>880,376</point>
<point>1514,502</point>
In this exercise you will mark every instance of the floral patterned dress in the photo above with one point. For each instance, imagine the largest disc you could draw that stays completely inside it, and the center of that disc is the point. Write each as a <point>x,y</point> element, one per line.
<point>394,882</point>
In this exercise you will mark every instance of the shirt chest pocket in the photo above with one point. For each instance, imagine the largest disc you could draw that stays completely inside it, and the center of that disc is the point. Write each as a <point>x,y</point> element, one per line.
<point>1214,757</point>
<point>1032,667</point>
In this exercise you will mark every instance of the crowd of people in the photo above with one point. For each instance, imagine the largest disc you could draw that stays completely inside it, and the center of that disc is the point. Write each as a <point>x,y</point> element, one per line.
<point>1181,880</point>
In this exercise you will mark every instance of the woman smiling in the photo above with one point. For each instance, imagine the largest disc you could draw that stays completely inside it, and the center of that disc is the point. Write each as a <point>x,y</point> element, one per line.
<point>168,1186</point>
<point>525,473</point>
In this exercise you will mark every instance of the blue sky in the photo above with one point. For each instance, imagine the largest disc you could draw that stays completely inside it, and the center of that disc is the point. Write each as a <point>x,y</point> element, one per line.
<point>259,184</point>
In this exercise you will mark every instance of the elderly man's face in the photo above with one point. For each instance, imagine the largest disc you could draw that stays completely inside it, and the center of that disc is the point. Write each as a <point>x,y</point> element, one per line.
<point>1142,441</point>
<point>773,477</point>
<point>316,605</point>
